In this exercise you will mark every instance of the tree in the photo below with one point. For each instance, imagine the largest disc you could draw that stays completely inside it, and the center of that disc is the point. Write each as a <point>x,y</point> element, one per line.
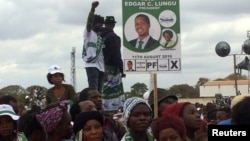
<point>201,81</point>
<point>37,91</point>
<point>1,93</point>
<point>14,89</point>
<point>238,76</point>
<point>138,90</point>
<point>184,90</point>
<point>219,79</point>
<point>127,95</point>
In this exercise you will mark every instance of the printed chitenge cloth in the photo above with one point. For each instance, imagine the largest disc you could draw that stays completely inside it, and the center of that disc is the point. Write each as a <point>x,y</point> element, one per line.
<point>52,116</point>
<point>113,92</point>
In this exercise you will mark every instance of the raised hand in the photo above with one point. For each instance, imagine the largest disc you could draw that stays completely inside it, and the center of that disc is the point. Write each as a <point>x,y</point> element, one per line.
<point>95,4</point>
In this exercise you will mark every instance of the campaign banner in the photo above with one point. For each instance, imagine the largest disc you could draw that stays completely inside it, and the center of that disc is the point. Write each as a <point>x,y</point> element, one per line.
<point>151,36</point>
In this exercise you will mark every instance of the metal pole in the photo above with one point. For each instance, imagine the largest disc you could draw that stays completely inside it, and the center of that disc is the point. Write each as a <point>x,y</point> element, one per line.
<point>73,68</point>
<point>235,76</point>
<point>248,82</point>
<point>248,35</point>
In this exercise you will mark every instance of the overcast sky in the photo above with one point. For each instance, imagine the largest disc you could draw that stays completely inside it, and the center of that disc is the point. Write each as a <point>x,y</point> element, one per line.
<point>35,34</point>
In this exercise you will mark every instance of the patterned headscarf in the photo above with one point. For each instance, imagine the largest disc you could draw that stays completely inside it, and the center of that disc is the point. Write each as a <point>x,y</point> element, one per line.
<point>129,105</point>
<point>51,117</point>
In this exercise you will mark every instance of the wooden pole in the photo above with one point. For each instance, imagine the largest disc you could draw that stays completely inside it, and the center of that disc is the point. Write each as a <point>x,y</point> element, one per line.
<point>155,97</point>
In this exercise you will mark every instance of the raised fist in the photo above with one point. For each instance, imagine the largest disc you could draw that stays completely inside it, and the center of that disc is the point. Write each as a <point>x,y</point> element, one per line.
<point>95,4</point>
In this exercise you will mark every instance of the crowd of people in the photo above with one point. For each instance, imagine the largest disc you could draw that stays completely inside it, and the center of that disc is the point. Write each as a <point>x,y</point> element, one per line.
<point>100,111</point>
<point>83,119</point>
<point>68,116</point>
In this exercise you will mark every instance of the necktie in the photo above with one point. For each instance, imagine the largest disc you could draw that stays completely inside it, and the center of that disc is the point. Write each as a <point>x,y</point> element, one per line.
<point>140,44</point>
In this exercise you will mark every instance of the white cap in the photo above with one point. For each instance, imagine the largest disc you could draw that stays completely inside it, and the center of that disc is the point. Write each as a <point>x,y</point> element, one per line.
<point>146,95</point>
<point>55,69</point>
<point>27,97</point>
<point>8,110</point>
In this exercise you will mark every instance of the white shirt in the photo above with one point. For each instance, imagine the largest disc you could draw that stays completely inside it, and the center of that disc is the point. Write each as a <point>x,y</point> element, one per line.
<point>91,52</point>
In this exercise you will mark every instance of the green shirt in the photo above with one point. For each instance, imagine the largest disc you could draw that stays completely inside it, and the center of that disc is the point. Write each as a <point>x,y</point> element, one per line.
<point>170,44</point>
<point>21,136</point>
<point>69,94</point>
<point>128,137</point>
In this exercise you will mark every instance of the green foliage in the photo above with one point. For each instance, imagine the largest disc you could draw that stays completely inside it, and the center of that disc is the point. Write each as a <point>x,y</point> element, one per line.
<point>184,90</point>
<point>19,92</point>
<point>137,90</point>
<point>218,95</point>
<point>1,93</point>
<point>13,89</point>
<point>127,95</point>
<point>20,98</point>
<point>200,82</point>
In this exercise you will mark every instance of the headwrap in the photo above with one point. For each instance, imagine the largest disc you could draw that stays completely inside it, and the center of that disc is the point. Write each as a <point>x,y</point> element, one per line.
<point>82,119</point>
<point>169,121</point>
<point>51,117</point>
<point>129,105</point>
<point>174,109</point>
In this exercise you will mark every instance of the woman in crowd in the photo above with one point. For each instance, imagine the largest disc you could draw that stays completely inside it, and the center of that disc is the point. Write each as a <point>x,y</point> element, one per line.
<point>59,91</point>
<point>169,127</point>
<point>8,124</point>
<point>88,126</point>
<point>190,115</point>
<point>137,117</point>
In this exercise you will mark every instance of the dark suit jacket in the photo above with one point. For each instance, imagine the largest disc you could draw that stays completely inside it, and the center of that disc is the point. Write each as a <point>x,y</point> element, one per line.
<point>151,42</point>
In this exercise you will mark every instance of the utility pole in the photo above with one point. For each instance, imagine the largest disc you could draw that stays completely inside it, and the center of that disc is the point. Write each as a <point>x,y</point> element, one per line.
<point>73,68</point>
<point>222,49</point>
